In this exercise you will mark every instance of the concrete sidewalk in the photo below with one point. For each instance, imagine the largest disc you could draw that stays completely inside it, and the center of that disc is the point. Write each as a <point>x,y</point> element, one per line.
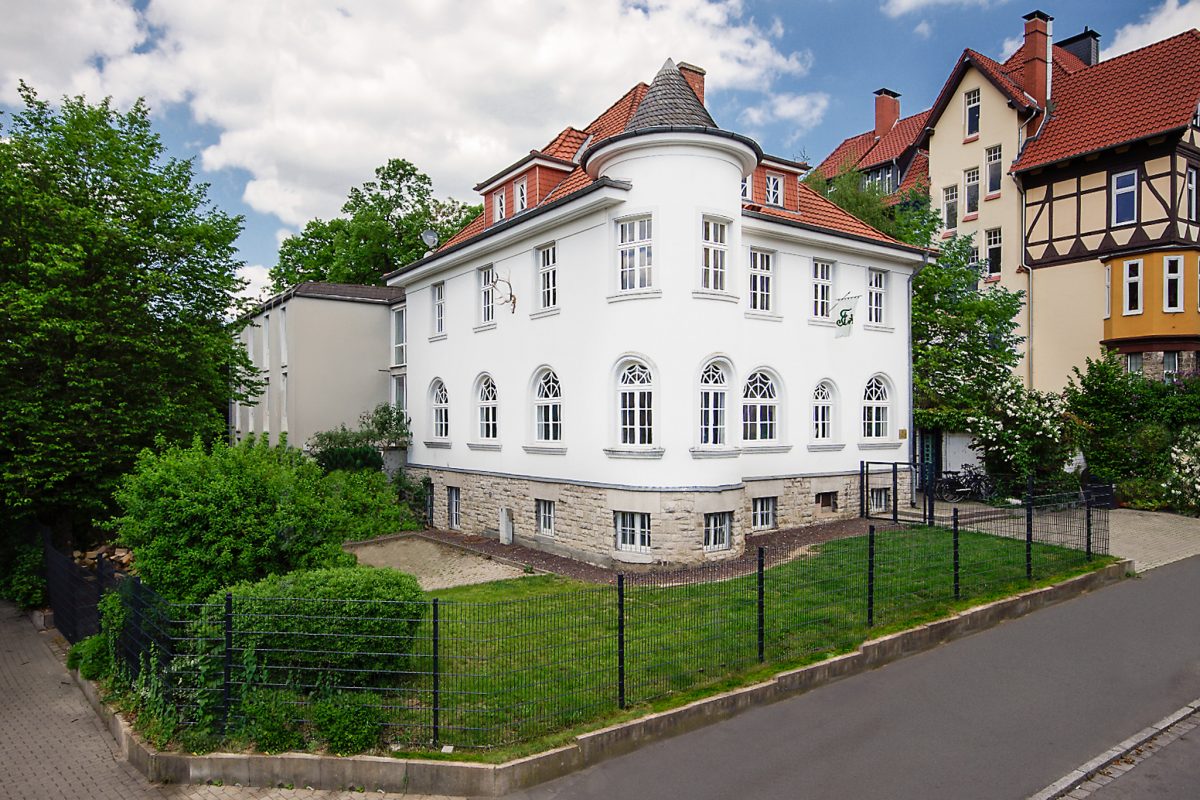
<point>1152,538</point>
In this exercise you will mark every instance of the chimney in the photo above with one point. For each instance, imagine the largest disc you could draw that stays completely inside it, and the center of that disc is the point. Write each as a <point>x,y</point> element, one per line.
<point>887,111</point>
<point>1036,75</point>
<point>695,78</point>
<point>1084,46</point>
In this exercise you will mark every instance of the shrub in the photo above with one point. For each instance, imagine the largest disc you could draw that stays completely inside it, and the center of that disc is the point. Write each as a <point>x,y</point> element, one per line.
<point>348,722</point>
<point>345,626</point>
<point>268,718</point>
<point>1144,494</point>
<point>199,519</point>
<point>91,656</point>
<point>1024,432</point>
<point>24,578</point>
<point>1183,481</point>
<point>362,457</point>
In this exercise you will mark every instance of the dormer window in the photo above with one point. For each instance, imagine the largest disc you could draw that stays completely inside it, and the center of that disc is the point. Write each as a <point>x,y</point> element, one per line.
<point>971,111</point>
<point>498,212</point>
<point>521,190</point>
<point>774,186</point>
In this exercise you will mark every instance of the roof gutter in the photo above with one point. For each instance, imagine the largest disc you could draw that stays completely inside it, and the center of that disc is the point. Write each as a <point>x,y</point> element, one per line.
<point>1085,153</point>
<point>910,250</point>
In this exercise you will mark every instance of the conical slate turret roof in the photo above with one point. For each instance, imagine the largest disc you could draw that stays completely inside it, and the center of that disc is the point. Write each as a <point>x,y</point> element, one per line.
<point>670,101</point>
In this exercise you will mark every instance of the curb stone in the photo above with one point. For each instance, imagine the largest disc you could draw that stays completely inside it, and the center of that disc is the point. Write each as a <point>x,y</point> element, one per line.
<point>417,776</point>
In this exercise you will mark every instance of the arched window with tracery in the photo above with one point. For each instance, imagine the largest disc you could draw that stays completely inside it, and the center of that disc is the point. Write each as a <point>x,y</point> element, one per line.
<point>548,408</point>
<point>713,396</point>
<point>876,407</point>
<point>635,399</point>
<point>759,409</point>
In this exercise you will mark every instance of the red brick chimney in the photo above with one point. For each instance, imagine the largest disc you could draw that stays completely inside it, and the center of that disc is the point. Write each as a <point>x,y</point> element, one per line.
<point>1036,74</point>
<point>887,111</point>
<point>695,78</point>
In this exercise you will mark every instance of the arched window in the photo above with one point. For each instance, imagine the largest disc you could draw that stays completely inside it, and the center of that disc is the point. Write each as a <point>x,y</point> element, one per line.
<point>759,404</point>
<point>636,401</point>
<point>548,408</point>
<point>489,426</point>
<point>875,409</point>
<point>712,405</point>
<point>441,410</point>
<point>823,412</point>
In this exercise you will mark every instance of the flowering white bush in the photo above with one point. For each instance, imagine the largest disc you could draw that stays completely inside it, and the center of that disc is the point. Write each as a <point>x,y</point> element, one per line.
<point>1023,431</point>
<point>1183,483</point>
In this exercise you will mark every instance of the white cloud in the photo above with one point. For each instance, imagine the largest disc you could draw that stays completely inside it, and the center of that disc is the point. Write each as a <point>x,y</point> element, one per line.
<point>309,99</point>
<point>923,29</point>
<point>897,8</point>
<point>257,281</point>
<point>1011,45</point>
<point>802,112</point>
<point>1170,18</point>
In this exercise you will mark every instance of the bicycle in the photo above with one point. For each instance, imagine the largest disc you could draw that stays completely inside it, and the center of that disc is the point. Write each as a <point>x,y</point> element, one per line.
<point>972,483</point>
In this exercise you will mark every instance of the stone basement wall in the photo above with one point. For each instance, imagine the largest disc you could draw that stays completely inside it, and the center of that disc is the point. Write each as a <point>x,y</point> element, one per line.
<point>583,525</point>
<point>1152,363</point>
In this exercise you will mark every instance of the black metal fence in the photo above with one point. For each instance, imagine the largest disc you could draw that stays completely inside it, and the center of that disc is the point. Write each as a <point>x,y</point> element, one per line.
<point>74,591</point>
<point>480,674</point>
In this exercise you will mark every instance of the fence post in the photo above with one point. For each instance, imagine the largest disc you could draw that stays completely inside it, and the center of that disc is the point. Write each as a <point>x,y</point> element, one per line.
<point>762,652</point>
<point>1029,527</point>
<point>437,675</point>
<point>1087,502</point>
<point>871,576</point>
<point>226,692</point>
<point>862,489</point>
<point>621,640</point>
<point>895,492</point>
<point>956,573</point>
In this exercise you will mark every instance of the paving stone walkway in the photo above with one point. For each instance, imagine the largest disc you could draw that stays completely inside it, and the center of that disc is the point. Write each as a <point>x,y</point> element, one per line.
<point>1152,538</point>
<point>53,747</point>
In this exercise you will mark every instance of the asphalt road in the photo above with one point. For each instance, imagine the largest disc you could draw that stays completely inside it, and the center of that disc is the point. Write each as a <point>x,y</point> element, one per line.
<point>1000,714</point>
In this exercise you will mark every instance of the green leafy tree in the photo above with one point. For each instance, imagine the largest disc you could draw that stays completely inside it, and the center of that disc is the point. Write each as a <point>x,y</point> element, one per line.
<point>117,276</point>
<point>381,230</point>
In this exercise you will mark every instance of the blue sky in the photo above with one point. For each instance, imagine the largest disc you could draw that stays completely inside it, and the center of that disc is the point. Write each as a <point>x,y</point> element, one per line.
<point>287,104</point>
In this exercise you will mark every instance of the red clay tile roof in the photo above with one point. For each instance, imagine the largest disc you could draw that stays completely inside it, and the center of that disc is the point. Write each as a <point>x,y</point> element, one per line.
<point>917,177</point>
<point>566,144</point>
<point>847,154</point>
<point>1065,63</point>
<point>817,212</point>
<point>897,141</point>
<point>991,70</point>
<point>1131,97</point>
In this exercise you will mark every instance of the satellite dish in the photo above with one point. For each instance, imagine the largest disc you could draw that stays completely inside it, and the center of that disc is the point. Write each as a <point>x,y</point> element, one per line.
<point>429,237</point>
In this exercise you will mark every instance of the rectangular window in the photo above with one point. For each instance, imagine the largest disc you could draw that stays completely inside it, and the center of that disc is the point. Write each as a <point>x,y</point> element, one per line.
<point>1170,365</point>
<point>1133,363</point>
<point>548,276</point>
<point>266,364</point>
<point>1191,194</point>
<point>399,338</point>
<point>266,406</point>
<point>544,511</point>
<point>950,207</point>
<point>400,392</point>
<point>994,241</point>
<point>1133,288</point>
<point>827,501</point>
<point>760,280</point>
<point>995,167</point>
<point>822,288</point>
<point>522,191</point>
<point>498,206</point>
<point>881,498</point>
<point>712,414</point>
<point>283,402</point>
<point>763,513</point>
<point>774,186</point>
<point>1124,197</point>
<point>717,529</point>
<point>971,111</point>
<point>712,270</point>
<point>632,531</point>
<point>453,508</point>
<point>637,410</point>
<point>876,296</point>
<point>438,293</point>
<point>487,296</point>
<point>971,182</point>
<point>636,251</point>
<point>1107,291</point>
<point>283,354</point>
<point>748,188</point>
<point>1173,284</point>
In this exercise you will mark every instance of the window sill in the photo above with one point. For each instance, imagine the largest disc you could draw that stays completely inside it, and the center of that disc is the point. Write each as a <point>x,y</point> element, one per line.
<point>1131,313</point>
<point>545,312</point>
<point>1123,224</point>
<point>949,232</point>
<point>974,137</point>
<point>991,278</point>
<point>715,452</point>
<point>870,326</point>
<point>438,337</point>
<point>395,367</point>
<point>723,548</point>
<point>766,316</point>
<point>549,536</point>
<point>866,445</point>
<point>632,452</point>
<point>1172,310</point>
<point>635,294</point>
<point>487,326</point>
<point>749,449</point>
<point>439,444</point>
<point>992,196</point>
<point>483,446</point>
<point>712,294</point>
<point>632,557</point>
<point>825,448</point>
<point>822,322</point>
<point>974,215</point>
<point>545,450</point>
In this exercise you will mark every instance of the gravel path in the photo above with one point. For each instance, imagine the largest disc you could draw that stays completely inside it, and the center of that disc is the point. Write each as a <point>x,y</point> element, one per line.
<point>434,565</point>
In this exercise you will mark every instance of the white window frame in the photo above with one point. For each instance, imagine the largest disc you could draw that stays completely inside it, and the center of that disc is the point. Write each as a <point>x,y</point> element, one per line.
<point>543,513</point>
<point>877,405</point>
<point>488,409</point>
<point>399,337</point>
<point>714,236</point>
<point>1191,194</point>
<point>748,188</point>
<point>547,408</point>
<point>714,405</point>
<point>760,408</point>
<point>283,348</point>
<point>764,513</point>
<point>824,409</point>
<point>1108,291</point>
<point>1134,363</point>
<point>994,242</point>
<point>1168,374</point>
<point>762,264</point>
<point>283,388</point>
<point>970,181</point>
<point>498,208</point>
<point>266,365</point>
<point>822,288</point>
<point>718,531</point>
<point>877,296</point>
<point>521,192</point>
<point>437,294</point>
<point>439,410</point>
<point>453,508</point>
<point>1173,274</point>
<point>635,253</point>
<point>971,100</point>
<point>635,405</point>
<point>1117,193</point>
<point>995,169</point>
<point>400,391</point>
<point>487,295</point>
<point>1129,280</point>
<point>631,531</point>
<point>547,267</point>
<point>950,201</point>
<point>774,189</point>
<point>880,498</point>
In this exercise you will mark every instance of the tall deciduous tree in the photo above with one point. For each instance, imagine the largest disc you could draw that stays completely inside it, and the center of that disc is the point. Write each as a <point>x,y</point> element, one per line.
<point>381,231</point>
<point>117,276</point>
